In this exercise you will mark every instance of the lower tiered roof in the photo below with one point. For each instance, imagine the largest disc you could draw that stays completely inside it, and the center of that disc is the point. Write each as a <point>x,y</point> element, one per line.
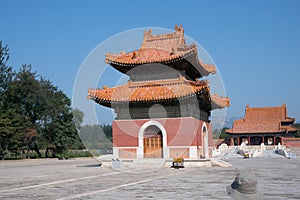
<point>156,91</point>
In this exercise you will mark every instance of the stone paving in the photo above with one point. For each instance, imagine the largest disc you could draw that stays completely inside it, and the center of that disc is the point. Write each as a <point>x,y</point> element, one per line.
<point>278,178</point>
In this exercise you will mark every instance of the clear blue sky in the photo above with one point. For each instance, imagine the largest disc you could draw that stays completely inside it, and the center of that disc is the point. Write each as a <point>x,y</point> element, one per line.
<point>255,44</point>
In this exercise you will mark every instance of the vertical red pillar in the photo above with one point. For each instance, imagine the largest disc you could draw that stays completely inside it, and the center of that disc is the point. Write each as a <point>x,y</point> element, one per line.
<point>231,142</point>
<point>248,140</point>
<point>238,141</point>
<point>263,139</point>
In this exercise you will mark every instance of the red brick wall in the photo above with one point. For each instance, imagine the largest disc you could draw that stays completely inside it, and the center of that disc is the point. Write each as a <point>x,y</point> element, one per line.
<point>125,132</point>
<point>291,142</point>
<point>180,132</point>
<point>179,153</point>
<point>127,153</point>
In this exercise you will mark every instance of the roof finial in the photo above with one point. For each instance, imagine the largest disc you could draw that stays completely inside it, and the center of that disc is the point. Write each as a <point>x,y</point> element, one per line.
<point>134,54</point>
<point>181,28</point>
<point>284,105</point>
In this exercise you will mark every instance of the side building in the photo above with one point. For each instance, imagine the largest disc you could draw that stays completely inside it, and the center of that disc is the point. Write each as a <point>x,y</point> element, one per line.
<point>268,125</point>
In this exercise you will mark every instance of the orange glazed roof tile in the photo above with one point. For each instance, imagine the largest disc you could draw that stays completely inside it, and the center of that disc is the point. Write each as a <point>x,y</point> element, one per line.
<point>148,91</point>
<point>162,48</point>
<point>219,102</point>
<point>170,49</point>
<point>145,55</point>
<point>263,120</point>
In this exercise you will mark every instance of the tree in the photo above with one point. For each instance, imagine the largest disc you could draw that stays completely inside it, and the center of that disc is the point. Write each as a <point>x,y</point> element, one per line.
<point>107,130</point>
<point>6,73</point>
<point>45,111</point>
<point>77,118</point>
<point>10,137</point>
<point>8,125</point>
<point>93,137</point>
<point>34,113</point>
<point>56,122</point>
<point>22,96</point>
<point>220,134</point>
<point>297,125</point>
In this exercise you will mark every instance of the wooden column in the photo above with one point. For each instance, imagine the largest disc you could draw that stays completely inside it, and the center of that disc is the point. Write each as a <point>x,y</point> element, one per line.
<point>238,141</point>
<point>249,140</point>
<point>231,141</point>
<point>263,139</point>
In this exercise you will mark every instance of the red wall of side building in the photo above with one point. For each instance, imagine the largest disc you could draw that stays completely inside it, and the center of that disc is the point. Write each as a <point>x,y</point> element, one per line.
<point>180,131</point>
<point>291,142</point>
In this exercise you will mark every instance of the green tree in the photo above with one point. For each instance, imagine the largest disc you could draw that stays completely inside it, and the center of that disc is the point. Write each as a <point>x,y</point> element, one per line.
<point>10,132</point>
<point>8,125</point>
<point>34,113</point>
<point>107,130</point>
<point>56,122</point>
<point>46,114</point>
<point>22,96</point>
<point>220,134</point>
<point>297,125</point>
<point>77,118</point>
<point>93,137</point>
<point>6,73</point>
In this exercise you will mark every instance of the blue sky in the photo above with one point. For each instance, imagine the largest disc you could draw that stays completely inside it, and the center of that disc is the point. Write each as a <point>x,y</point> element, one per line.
<point>255,44</point>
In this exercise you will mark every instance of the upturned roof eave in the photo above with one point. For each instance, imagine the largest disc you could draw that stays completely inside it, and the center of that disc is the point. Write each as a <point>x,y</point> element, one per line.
<point>189,56</point>
<point>109,103</point>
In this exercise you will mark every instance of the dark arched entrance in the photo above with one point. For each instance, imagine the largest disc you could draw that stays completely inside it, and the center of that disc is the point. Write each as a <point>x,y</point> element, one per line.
<point>153,146</point>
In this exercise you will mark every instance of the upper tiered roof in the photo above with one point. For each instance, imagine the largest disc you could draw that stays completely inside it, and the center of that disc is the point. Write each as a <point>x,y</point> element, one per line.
<point>168,49</point>
<point>264,120</point>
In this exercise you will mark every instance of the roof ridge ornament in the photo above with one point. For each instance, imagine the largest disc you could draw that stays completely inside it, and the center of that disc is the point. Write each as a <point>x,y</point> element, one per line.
<point>179,28</point>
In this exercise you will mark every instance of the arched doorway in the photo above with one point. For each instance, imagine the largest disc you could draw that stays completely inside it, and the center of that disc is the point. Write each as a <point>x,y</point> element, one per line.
<point>153,142</point>
<point>205,141</point>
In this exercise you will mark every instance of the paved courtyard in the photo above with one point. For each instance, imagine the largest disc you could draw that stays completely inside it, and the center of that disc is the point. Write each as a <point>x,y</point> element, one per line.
<point>278,178</point>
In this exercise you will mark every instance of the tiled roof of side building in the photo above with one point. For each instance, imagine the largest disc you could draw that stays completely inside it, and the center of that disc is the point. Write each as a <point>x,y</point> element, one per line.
<point>263,120</point>
<point>289,128</point>
<point>266,113</point>
<point>243,126</point>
